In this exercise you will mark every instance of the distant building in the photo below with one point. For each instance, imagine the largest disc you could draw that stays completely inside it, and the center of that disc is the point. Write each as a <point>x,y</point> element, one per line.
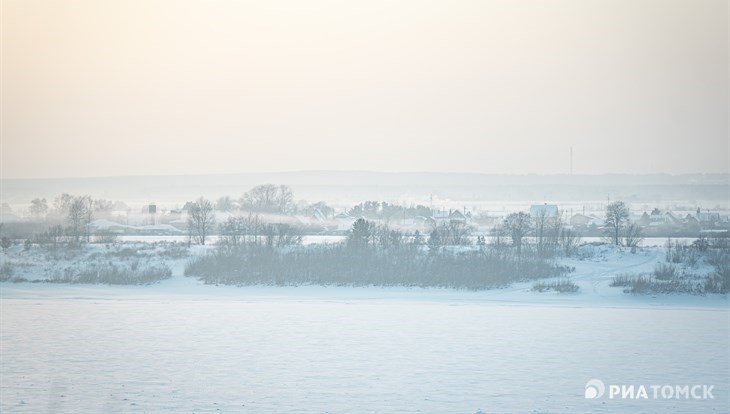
<point>644,220</point>
<point>448,217</point>
<point>691,223</point>
<point>581,220</point>
<point>656,218</point>
<point>671,220</point>
<point>344,221</point>
<point>544,210</point>
<point>708,218</point>
<point>318,216</point>
<point>457,216</point>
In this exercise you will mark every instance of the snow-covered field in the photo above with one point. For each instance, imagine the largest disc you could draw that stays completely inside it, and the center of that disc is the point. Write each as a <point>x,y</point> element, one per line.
<point>181,346</point>
<point>292,355</point>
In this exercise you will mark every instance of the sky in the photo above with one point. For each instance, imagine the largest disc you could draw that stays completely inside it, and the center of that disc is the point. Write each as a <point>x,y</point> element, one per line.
<point>137,87</point>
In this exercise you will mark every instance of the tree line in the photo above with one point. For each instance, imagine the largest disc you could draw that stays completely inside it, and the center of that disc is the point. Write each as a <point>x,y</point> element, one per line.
<point>372,254</point>
<point>550,234</point>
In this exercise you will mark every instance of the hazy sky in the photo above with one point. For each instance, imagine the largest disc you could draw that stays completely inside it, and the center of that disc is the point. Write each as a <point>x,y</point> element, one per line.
<point>93,87</point>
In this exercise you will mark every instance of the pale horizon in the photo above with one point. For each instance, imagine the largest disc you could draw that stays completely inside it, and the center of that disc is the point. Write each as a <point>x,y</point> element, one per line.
<point>98,89</point>
<point>724,175</point>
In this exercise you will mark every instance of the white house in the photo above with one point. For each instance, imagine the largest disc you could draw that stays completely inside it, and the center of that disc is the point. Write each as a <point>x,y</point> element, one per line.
<point>544,210</point>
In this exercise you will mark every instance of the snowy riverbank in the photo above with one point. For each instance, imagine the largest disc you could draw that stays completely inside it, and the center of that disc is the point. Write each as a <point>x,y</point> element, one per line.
<point>592,274</point>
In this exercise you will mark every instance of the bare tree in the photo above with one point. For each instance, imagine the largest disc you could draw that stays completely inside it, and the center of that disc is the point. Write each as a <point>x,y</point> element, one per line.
<point>459,233</point>
<point>632,235</point>
<point>61,205</point>
<point>568,241</point>
<point>542,221</point>
<point>499,235</point>
<point>89,216</point>
<point>617,215</point>
<point>260,198</point>
<point>518,225</point>
<point>103,207</point>
<point>268,198</point>
<point>555,229</point>
<point>201,219</point>
<point>285,199</point>
<point>224,203</point>
<point>452,233</point>
<point>80,212</point>
<point>252,226</point>
<point>281,234</point>
<point>233,231</point>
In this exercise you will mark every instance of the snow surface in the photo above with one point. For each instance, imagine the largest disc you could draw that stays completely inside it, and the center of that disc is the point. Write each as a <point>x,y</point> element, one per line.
<point>104,224</point>
<point>279,355</point>
<point>183,346</point>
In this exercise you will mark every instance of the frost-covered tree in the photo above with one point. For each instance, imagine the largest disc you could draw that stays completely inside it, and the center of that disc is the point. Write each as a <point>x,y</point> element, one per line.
<point>452,233</point>
<point>200,219</point>
<point>268,198</point>
<point>38,207</point>
<point>280,235</point>
<point>284,200</point>
<point>102,206</point>
<point>61,204</point>
<point>233,231</point>
<point>224,203</point>
<point>369,209</point>
<point>632,235</point>
<point>360,234</point>
<point>518,225</point>
<point>568,241</point>
<point>499,237</point>
<point>459,233</point>
<point>435,241</point>
<point>547,229</point>
<point>617,216</point>
<point>79,214</point>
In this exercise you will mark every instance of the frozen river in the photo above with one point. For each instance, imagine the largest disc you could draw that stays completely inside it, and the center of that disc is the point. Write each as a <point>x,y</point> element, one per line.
<point>273,355</point>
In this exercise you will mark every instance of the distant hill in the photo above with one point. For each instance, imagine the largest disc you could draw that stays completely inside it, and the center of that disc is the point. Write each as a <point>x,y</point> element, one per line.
<point>345,186</point>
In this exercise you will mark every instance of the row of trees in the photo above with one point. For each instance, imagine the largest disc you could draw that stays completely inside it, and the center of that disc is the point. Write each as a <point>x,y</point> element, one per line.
<point>365,234</point>
<point>241,231</point>
<point>40,209</point>
<point>384,211</point>
<point>78,212</point>
<point>549,231</point>
<point>270,199</point>
<point>279,199</point>
<point>373,254</point>
<point>72,219</point>
<point>266,198</point>
<point>339,264</point>
<point>236,231</point>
